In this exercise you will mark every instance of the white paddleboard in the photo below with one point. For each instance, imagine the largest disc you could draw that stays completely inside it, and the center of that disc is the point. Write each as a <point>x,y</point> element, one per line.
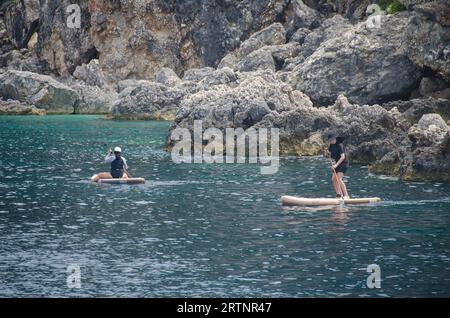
<point>290,200</point>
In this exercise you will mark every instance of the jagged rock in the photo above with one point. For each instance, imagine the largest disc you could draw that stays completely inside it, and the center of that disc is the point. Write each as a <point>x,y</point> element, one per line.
<point>430,85</point>
<point>262,101</point>
<point>370,131</point>
<point>134,39</point>
<point>64,47</point>
<point>23,60</point>
<point>220,76</point>
<point>282,53</point>
<point>332,28</point>
<point>93,99</point>
<point>258,94</point>
<point>205,78</point>
<point>414,109</point>
<point>39,90</point>
<point>258,60</point>
<point>274,34</point>
<point>411,3</point>
<point>302,16</point>
<point>431,119</point>
<point>22,20</point>
<point>354,10</point>
<point>147,100</point>
<point>426,40</point>
<point>364,64</point>
<point>14,107</point>
<point>299,35</point>
<point>197,74</point>
<point>313,145</point>
<point>167,76</point>
<point>90,73</point>
<point>425,157</point>
<point>271,57</point>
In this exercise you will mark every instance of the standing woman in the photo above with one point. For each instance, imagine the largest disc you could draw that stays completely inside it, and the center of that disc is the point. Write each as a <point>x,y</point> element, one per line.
<point>337,152</point>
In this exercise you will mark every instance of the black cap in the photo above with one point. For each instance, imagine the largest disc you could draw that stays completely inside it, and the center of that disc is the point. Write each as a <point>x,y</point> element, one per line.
<point>331,136</point>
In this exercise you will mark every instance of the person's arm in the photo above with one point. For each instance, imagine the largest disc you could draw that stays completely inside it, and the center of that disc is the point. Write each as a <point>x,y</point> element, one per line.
<point>342,158</point>
<point>125,164</point>
<point>109,157</point>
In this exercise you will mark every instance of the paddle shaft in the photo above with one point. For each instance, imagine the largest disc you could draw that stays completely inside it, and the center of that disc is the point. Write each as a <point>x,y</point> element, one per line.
<point>338,181</point>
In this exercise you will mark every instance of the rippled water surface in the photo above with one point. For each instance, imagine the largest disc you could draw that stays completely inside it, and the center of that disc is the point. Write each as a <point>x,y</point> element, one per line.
<point>202,230</point>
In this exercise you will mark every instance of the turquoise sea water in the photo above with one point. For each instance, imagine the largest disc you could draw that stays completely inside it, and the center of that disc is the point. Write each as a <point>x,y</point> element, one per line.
<point>199,230</point>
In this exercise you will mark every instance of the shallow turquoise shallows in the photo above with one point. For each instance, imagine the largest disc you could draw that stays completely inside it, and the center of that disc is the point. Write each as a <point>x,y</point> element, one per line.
<point>202,230</point>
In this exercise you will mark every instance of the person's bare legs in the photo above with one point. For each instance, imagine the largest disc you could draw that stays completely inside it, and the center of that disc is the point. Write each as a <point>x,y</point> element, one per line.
<point>336,185</point>
<point>342,184</point>
<point>125,175</point>
<point>102,175</point>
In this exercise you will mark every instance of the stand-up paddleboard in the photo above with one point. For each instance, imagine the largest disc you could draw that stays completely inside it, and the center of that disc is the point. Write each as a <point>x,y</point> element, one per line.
<point>121,180</point>
<point>289,200</point>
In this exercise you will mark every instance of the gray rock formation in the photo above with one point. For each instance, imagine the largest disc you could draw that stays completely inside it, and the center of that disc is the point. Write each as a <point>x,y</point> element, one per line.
<point>414,109</point>
<point>299,35</point>
<point>134,39</point>
<point>22,60</point>
<point>39,90</point>
<point>61,45</point>
<point>147,100</point>
<point>162,99</point>
<point>274,34</point>
<point>332,28</point>
<point>412,3</point>
<point>354,10</point>
<point>14,107</point>
<point>370,131</point>
<point>427,37</point>
<point>364,64</point>
<point>93,99</point>
<point>255,96</point>
<point>425,157</point>
<point>22,21</point>
<point>258,60</point>
<point>167,76</point>
<point>302,16</point>
<point>91,74</point>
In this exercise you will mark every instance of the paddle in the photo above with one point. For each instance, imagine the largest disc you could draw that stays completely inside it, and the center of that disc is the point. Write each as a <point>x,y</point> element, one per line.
<point>336,178</point>
<point>328,155</point>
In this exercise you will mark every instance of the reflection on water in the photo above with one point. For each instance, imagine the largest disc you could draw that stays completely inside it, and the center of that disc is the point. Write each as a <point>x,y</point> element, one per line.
<point>203,230</point>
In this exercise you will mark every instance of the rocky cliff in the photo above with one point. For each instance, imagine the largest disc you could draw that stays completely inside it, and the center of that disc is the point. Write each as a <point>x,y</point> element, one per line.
<point>377,72</point>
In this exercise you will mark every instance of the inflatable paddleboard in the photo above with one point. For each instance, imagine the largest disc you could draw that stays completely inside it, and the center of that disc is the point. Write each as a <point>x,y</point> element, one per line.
<point>121,181</point>
<point>289,200</point>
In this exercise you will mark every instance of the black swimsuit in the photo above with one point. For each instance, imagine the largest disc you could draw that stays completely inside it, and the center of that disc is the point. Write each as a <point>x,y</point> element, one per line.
<point>336,150</point>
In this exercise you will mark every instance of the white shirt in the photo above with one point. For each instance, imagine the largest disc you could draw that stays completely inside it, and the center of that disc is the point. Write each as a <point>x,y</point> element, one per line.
<point>110,158</point>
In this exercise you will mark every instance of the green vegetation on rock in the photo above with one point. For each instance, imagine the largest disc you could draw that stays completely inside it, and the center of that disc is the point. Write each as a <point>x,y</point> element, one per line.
<point>391,6</point>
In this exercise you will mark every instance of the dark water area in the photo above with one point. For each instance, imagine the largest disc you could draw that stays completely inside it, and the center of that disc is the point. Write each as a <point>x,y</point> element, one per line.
<point>202,230</point>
